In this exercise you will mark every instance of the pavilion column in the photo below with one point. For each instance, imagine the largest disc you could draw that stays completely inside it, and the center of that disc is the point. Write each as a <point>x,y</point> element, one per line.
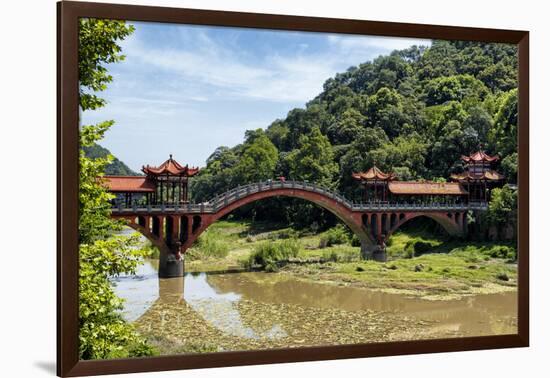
<point>388,223</point>
<point>173,192</point>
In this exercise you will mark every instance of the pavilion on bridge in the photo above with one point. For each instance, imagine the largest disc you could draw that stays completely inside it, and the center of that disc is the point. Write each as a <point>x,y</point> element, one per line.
<point>479,175</point>
<point>165,184</point>
<point>469,186</point>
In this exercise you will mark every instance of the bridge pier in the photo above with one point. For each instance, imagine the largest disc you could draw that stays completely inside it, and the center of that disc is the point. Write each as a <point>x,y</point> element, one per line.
<point>171,265</point>
<point>373,252</point>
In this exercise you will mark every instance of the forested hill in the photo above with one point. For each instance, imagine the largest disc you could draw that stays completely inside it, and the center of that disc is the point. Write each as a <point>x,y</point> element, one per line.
<point>117,167</point>
<point>413,112</point>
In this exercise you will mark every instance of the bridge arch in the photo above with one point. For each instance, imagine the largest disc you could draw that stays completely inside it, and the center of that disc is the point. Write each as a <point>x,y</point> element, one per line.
<point>351,219</point>
<point>155,240</point>
<point>452,223</point>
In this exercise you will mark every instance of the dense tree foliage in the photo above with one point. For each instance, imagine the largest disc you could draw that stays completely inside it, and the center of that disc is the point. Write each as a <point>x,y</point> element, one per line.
<point>414,111</point>
<point>102,331</point>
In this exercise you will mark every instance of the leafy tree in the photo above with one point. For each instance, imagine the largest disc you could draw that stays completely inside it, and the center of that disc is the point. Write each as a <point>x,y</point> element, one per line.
<point>503,136</point>
<point>278,132</point>
<point>499,76</point>
<point>438,61</point>
<point>358,157</point>
<point>102,331</point>
<point>258,160</point>
<point>480,120</point>
<point>509,167</point>
<point>347,128</point>
<point>98,47</point>
<point>385,110</point>
<point>313,160</point>
<point>454,88</point>
<point>503,206</point>
<point>454,142</point>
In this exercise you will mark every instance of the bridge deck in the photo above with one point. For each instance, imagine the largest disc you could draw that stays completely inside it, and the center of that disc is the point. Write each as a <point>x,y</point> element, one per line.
<point>220,201</point>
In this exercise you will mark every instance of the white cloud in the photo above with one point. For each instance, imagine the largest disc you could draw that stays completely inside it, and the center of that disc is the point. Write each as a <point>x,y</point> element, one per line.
<point>192,92</point>
<point>295,77</point>
<point>352,43</point>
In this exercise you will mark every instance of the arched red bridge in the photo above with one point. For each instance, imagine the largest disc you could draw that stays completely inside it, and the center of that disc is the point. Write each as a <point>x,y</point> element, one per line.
<point>173,229</point>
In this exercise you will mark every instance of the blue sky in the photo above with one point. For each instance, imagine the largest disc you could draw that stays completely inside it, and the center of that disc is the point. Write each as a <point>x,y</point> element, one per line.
<point>186,90</point>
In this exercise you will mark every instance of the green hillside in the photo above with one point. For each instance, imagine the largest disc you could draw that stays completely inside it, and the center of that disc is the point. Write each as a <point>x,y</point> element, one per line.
<point>414,111</point>
<point>117,167</point>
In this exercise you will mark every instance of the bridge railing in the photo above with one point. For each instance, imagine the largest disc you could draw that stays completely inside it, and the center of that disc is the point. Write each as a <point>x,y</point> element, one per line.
<point>224,199</point>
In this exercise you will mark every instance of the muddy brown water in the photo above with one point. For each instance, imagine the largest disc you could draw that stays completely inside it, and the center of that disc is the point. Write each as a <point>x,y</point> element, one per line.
<point>215,298</point>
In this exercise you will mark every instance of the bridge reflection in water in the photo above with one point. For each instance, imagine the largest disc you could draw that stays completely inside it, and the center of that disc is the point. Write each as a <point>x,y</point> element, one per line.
<point>262,310</point>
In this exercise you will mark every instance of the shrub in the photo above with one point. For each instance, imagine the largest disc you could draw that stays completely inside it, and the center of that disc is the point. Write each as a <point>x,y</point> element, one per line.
<point>417,247</point>
<point>502,252</point>
<point>355,242</point>
<point>269,255</point>
<point>333,236</point>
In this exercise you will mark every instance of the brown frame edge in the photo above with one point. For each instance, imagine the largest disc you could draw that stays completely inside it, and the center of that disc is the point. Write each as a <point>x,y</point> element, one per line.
<point>68,13</point>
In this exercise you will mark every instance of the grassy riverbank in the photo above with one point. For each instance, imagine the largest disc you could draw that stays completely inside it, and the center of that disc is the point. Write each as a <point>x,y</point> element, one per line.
<point>419,263</point>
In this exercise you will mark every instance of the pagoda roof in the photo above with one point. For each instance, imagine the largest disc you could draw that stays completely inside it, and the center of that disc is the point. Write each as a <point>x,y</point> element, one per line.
<point>480,156</point>
<point>136,184</point>
<point>426,188</point>
<point>170,168</point>
<point>374,174</point>
<point>488,175</point>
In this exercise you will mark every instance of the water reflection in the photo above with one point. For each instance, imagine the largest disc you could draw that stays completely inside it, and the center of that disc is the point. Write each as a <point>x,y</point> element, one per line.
<point>144,290</point>
<point>229,303</point>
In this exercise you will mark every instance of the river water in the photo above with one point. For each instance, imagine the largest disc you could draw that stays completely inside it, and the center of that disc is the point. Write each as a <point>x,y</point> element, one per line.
<point>249,310</point>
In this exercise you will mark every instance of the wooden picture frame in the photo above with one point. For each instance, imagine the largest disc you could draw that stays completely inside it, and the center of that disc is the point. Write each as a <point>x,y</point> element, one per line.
<point>68,363</point>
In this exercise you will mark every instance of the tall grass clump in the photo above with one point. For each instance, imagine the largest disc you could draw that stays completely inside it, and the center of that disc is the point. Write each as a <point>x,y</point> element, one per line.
<point>342,254</point>
<point>269,256</point>
<point>209,245</point>
<point>334,236</point>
